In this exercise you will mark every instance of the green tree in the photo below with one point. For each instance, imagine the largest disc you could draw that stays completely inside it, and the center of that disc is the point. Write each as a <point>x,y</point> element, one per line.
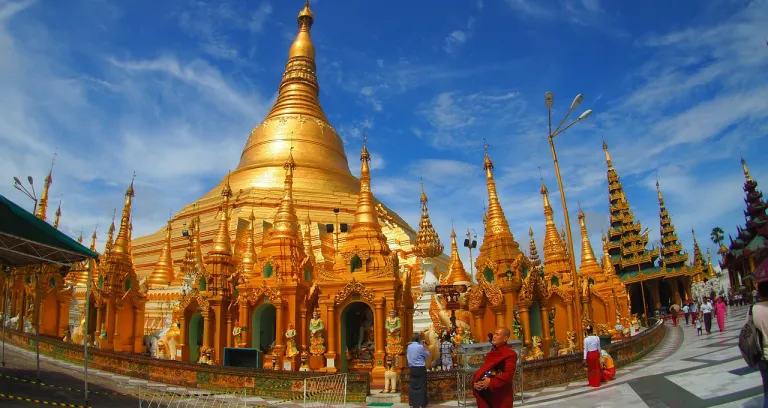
<point>717,235</point>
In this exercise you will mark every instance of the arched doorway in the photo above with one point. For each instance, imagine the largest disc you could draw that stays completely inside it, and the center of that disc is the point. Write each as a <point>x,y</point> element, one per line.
<point>264,325</point>
<point>196,330</point>
<point>356,331</point>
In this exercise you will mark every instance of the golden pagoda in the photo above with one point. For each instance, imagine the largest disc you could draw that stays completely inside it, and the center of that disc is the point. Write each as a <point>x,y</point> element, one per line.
<point>557,266</point>
<point>323,189</point>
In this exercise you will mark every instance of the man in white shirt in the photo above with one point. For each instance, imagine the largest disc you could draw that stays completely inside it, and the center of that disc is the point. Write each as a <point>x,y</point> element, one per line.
<point>706,312</point>
<point>686,311</point>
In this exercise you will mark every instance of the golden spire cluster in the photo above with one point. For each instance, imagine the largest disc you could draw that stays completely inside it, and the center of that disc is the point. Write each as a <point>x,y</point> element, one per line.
<point>122,242</point>
<point>457,275</point>
<point>222,243</point>
<point>308,239</point>
<point>163,273</point>
<point>428,244</point>
<point>496,222</point>
<point>248,258</point>
<point>556,261</point>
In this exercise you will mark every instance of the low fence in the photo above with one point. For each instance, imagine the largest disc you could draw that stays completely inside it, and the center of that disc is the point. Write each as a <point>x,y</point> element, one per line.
<point>442,385</point>
<point>286,385</point>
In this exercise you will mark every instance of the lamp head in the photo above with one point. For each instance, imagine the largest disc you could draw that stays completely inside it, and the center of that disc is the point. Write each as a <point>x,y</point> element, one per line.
<point>549,99</point>
<point>576,101</point>
<point>585,114</point>
<point>29,178</point>
<point>16,180</point>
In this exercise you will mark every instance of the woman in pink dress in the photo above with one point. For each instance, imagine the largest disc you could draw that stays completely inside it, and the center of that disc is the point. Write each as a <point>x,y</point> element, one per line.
<point>720,313</point>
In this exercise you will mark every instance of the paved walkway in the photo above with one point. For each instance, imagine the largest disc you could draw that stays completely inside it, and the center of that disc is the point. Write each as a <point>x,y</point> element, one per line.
<point>685,370</point>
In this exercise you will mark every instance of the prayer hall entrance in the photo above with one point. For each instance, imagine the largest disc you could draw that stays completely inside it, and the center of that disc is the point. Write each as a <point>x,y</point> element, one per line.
<point>357,340</point>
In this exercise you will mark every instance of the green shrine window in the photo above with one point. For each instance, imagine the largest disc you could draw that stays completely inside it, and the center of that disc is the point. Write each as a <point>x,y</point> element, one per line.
<point>235,292</point>
<point>268,270</point>
<point>307,273</point>
<point>52,283</point>
<point>128,284</point>
<point>554,281</point>
<point>28,280</point>
<point>355,264</point>
<point>488,274</point>
<point>524,271</point>
<point>101,282</point>
<point>202,285</point>
<point>590,282</point>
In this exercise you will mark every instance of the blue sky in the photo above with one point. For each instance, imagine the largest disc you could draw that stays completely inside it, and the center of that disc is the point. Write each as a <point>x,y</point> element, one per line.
<point>172,89</point>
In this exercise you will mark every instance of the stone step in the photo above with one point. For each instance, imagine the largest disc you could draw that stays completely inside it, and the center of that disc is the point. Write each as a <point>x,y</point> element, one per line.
<point>382,397</point>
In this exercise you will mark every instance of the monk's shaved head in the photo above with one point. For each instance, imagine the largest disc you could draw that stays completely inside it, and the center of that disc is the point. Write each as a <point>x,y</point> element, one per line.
<point>505,331</point>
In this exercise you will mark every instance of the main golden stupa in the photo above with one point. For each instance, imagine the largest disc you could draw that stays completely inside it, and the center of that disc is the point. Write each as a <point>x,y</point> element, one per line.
<point>324,190</point>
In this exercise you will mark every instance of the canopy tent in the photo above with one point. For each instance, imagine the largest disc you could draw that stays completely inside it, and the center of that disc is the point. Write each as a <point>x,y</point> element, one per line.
<point>28,240</point>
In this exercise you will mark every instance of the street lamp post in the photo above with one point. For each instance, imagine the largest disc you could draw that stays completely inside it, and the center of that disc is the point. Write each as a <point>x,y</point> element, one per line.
<point>471,242</point>
<point>7,282</point>
<point>31,194</point>
<point>549,99</point>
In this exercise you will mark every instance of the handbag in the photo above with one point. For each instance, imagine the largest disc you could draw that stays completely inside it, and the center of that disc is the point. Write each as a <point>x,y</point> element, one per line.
<point>751,341</point>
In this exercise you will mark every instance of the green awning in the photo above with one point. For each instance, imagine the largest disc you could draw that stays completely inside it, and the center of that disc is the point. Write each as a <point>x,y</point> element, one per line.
<point>28,240</point>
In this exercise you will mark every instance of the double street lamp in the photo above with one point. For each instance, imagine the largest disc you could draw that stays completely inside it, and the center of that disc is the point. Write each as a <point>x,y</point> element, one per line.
<point>31,194</point>
<point>549,99</point>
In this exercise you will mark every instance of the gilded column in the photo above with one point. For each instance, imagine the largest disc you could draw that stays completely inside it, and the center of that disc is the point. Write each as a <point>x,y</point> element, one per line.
<point>524,316</point>
<point>378,321</point>
<point>245,321</point>
<point>303,326</point>
<point>498,311</point>
<point>569,312</point>
<point>209,329</point>
<point>279,324</point>
<point>330,321</point>
<point>546,338</point>
<point>99,316</point>
<point>230,337</point>
<point>477,319</point>
<point>183,340</point>
<point>137,342</point>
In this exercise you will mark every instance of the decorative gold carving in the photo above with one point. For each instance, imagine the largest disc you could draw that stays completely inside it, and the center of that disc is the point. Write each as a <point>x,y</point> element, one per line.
<point>354,287</point>
<point>570,346</point>
<point>193,294</point>
<point>536,352</point>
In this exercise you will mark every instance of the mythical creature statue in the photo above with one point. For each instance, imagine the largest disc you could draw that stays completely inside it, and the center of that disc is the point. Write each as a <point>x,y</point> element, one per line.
<point>316,331</point>
<point>393,325</point>
<point>162,350</point>
<point>432,340</point>
<point>536,352</point>
<point>66,338</point>
<point>570,346</point>
<point>206,356</point>
<point>304,359</point>
<point>390,377</point>
<point>601,329</point>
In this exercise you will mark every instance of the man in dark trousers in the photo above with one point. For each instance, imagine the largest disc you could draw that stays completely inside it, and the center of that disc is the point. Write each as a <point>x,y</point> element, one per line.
<point>493,380</point>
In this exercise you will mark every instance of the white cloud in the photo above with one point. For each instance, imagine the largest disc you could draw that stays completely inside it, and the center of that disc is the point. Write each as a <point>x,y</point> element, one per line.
<point>259,17</point>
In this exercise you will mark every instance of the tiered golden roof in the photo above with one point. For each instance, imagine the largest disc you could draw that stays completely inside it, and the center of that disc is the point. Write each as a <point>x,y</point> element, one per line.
<point>534,253</point>
<point>457,275</point>
<point>674,258</point>
<point>589,267</point>
<point>163,274</point>
<point>556,261</point>
<point>428,244</point>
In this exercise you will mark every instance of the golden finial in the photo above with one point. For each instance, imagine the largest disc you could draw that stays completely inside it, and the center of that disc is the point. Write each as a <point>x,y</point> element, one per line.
<point>80,238</point>
<point>746,170</point>
<point>93,238</point>
<point>533,253</point>
<point>658,192</point>
<point>456,272</point>
<point>487,164</point>
<point>365,214</point>
<point>163,273</point>
<point>58,214</point>
<point>530,231</point>
<point>555,252</point>
<point>607,155</point>
<point>122,242</point>
<point>248,259</point>
<point>497,223</point>
<point>42,208</point>
<point>305,15</point>
<point>423,200</point>
<point>589,265</point>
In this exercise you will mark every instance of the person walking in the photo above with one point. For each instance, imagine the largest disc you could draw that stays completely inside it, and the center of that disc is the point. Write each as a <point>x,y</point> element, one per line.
<point>493,380</point>
<point>720,313</point>
<point>694,308</point>
<point>686,313</point>
<point>673,313</point>
<point>592,357</point>
<point>759,314</point>
<point>417,356</point>
<point>706,312</point>
<point>446,353</point>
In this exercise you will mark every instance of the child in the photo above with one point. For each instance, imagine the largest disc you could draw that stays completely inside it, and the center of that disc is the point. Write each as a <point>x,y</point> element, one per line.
<point>698,325</point>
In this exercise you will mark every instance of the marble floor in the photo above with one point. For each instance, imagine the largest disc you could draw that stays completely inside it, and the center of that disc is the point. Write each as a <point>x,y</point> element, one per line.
<point>685,370</point>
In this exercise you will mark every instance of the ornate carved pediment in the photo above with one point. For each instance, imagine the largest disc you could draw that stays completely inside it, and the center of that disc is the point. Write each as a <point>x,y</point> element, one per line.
<point>254,294</point>
<point>347,256</point>
<point>475,297</point>
<point>486,264</point>
<point>324,274</point>
<point>490,291</point>
<point>354,287</point>
<point>386,271</point>
<point>194,294</point>
<point>599,295</point>
<point>561,291</point>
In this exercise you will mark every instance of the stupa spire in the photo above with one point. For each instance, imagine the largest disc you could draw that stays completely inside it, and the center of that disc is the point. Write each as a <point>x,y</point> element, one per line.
<point>42,205</point>
<point>163,274</point>
<point>286,223</point>
<point>428,244</point>
<point>308,239</point>
<point>698,257</point>
<point>58,216</point>
<point>607,265</point>
<point>496,222</point>
<point>248,259</point>
<point>673,256</point>
<point>589,265</point>
<point>746,170</point>
<point>366,217</point>
<point>554,248</point>
<point>222,243</point>
<point>534,253</point>
<point>122,241</point>
<point>607,155</point>
<point>457,275</point>
<point>109,245</point>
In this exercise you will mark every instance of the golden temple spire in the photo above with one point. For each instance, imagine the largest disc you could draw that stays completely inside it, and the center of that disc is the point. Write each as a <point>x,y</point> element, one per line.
<point>564,240</point>
<point>428,244</point>
<point>457,275</point>
<point>163,274</point>
<point>608,268</point>
<point>110,236</point>
<point>497,222</point>
<point>80,238</point>
<point>286,223</point>
<point>554,247</point>
<point>534,253</point>
<point>122,241</point>
<point>222,243</point>
<point>199,261</point>
<point>42,207</point>
<point>607,155</point>
<point>248,259</point>
<point>658,192</point>
<point>698,257</point>
<point>308,239</point>
<point>746,170</point>
<point>58,216</point>
<point>366,217</point>
<point>589,265</point>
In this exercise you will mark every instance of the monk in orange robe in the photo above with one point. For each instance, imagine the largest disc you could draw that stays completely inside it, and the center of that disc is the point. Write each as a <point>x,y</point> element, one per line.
<point>493,380</point>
